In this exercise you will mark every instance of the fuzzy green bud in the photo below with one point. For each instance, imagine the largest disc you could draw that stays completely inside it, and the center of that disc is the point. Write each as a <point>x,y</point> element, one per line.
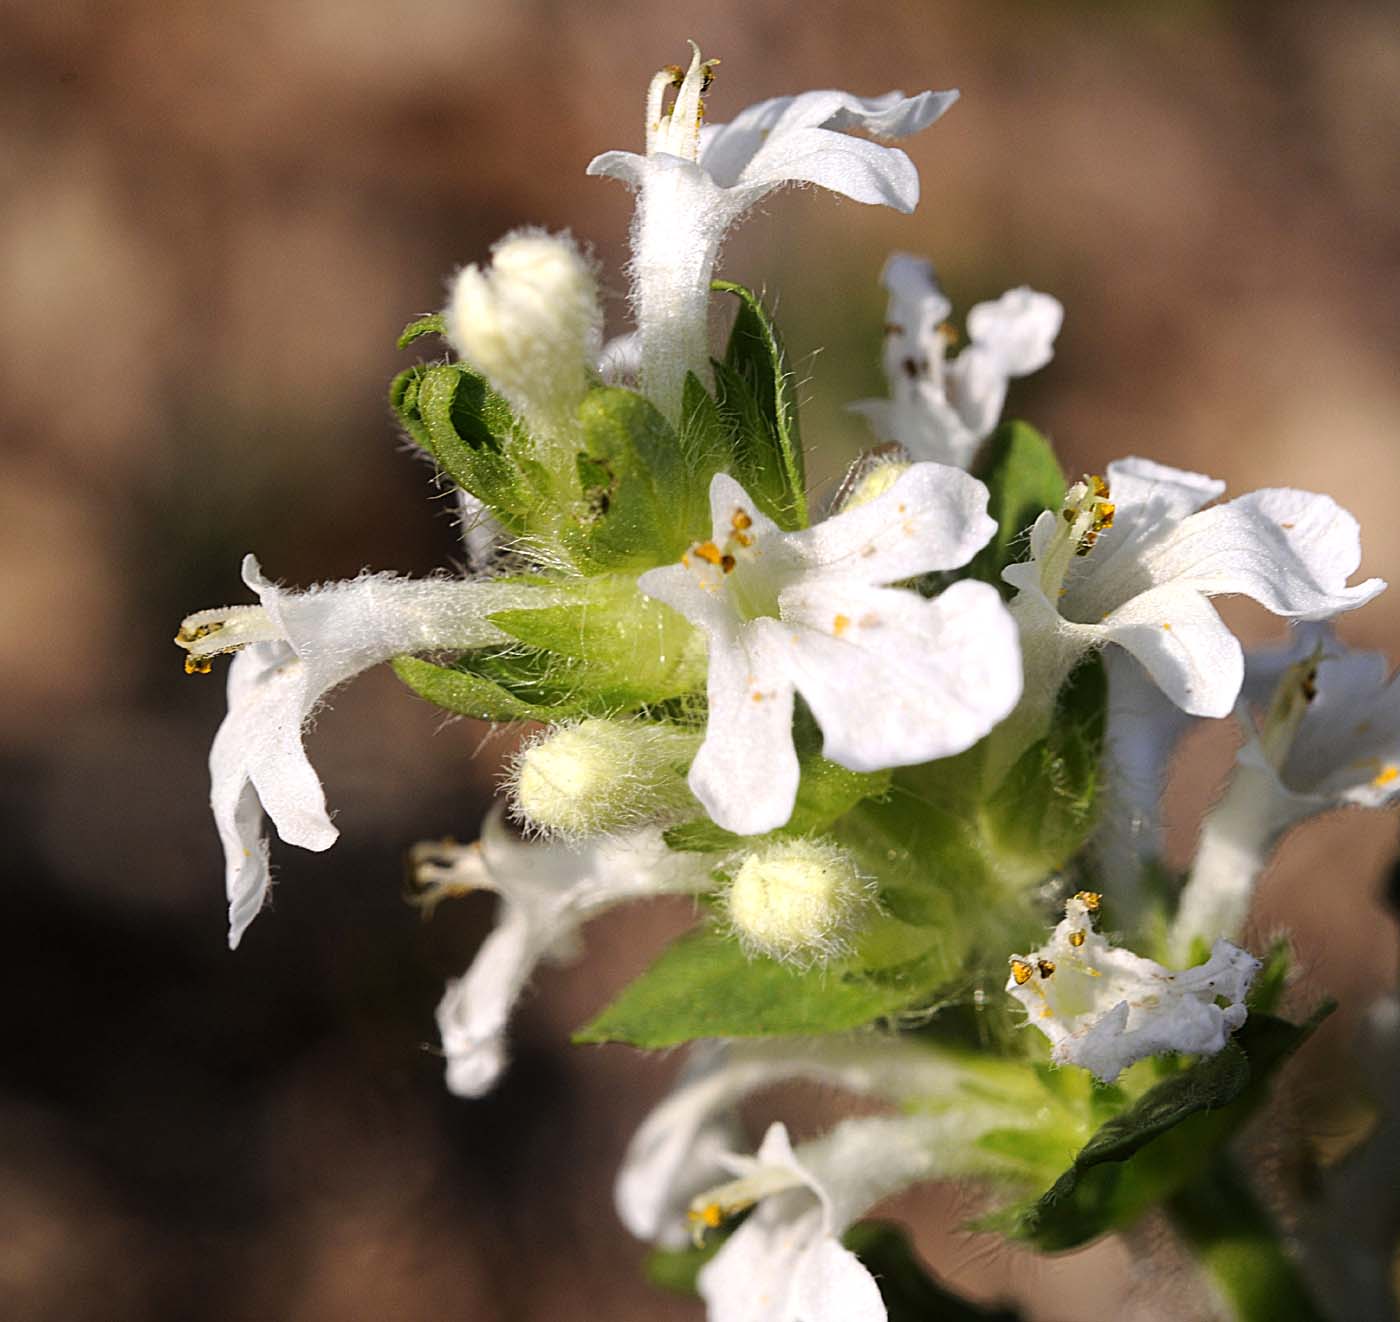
<point>532,324</point>
<point>799,900</point>
<point>600,776</point>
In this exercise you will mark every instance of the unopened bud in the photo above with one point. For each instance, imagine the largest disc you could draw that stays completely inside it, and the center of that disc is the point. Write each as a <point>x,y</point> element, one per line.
<point>532,324</point>
<point>601,776</point>
<point>798,900</point>
<point>871,476</point>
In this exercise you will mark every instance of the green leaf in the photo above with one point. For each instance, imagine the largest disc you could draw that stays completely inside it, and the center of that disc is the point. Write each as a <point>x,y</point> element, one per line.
<point>757,401</point>
<point>644,505</point>
<point>1023,480</point>
<point>1162,1142</point>
<point>704,985</point>
<point>911,1291</point>
<point>430,324</point>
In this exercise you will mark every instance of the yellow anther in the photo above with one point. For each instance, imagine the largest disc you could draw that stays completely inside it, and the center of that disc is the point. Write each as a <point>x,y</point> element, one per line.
<point>1021,972</point>
<point>840,624</point>
<point>1091,900</point>
<point>1387,775</point>
<point>741,521</point>
<point>1045,967</point>
<point>1076,939</point>
<point>198,665</point>
<point>708,552</point>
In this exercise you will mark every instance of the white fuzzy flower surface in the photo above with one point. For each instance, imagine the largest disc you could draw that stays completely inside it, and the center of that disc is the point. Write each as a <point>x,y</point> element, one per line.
<point>942,408</point>
<point>548,891</point>
<point>1103,1007</point>
<point>1134,561</point>
<point>694,182</point>
<point>786,1262</point>
<point>892,678</point>
<point>292,650</point>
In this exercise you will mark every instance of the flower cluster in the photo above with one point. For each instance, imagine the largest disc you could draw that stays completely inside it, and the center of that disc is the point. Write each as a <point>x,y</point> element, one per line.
<point>879,741</point>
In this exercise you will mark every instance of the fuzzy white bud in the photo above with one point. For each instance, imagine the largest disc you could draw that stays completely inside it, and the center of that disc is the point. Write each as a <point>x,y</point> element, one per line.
<point>531,323</point>
<point>798,900</point>
<point>601,776</point>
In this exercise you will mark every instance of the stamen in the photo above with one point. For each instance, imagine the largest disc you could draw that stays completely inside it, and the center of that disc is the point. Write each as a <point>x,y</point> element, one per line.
<point>1021,971</point>
<point>208,634</point>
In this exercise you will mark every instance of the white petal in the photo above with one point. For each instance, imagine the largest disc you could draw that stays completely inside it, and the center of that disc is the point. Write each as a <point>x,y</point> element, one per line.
<point>1184,644</point>
<point>1292,551</point>
<point>475,1008</point>
<point>548,892</point>
<point>934,517</point>
<point>856,168</point>
<point>730,149</point>
<point>1018,330</point>
<point>1011,337</point>
<point>832,1285</point>
<point>894,679</point>
<point>746,771</point>
<point>627,166</point>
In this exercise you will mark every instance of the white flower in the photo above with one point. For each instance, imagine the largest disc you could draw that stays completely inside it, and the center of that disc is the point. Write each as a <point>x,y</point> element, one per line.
<point>531,323</point>
<point>891,677</point>
<point>1132,562</point>
<point>677,1152</point>
<point>1142,729</point>
<point>693,184</point>
<point>293,649</point>
<point>1103,1007</point>
<point>943,410</point>
<point>786,1262</point>
<point>1329,737</point>
<point>548,891</point>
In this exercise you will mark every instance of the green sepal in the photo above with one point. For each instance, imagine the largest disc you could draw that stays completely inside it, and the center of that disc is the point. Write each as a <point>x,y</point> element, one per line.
<point>910,1290</point>
<point>1161,1142</point>
<point>704,985</point>
<point>476,440</point>
<point>469,693</point>
<point>642,504</point>
<point>1043,810</point>
<point>1024,479</point>
<point>756,399</point>
<point>430,324</point>
<point>610,636</point>
<point>678,1270</point>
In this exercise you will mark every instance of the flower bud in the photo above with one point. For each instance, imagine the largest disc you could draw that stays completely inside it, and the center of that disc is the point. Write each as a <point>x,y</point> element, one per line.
<point>532,324</point>
<point>798,900</point>
<point>601,776</point>
<point>873,474</point>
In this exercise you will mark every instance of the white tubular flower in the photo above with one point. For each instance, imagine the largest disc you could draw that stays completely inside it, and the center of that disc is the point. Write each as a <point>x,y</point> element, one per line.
<point>786,1262</point>
<point>1329,737</point>
<point>677,1152</point>
<point>1132,562</point>
<point>531,323</point>
<point>943,409</point>
<point>693,184</point>
<point>1104,1008</point>
<point>1141,733</point>
<point>293,649</point>
<point>892,677</point>
<point>599,776</point>
<point>548,891</point>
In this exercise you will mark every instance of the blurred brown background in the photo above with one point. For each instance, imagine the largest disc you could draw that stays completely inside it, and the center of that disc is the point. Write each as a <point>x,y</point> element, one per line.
<point>215,220</point>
